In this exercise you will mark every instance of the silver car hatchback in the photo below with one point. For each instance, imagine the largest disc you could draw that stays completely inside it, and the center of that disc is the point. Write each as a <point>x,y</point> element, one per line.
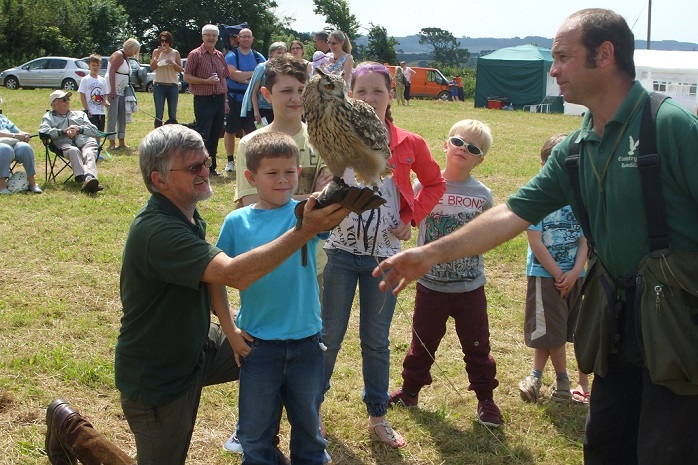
<point>54,72</point>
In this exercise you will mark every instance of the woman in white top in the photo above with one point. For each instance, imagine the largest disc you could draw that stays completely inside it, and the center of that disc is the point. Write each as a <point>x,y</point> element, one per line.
<point>167,64</point>
<point>118,74</point>
<point>340,58</point>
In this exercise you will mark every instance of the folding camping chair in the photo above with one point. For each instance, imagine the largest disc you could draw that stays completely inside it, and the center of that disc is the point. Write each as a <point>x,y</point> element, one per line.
<point>56,161</point>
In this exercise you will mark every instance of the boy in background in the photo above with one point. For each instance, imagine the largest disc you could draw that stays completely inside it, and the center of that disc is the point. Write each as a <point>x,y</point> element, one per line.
<point>555,265</point>
<point>454,289</point>
<point>280,352</point>
<point>92,92</point>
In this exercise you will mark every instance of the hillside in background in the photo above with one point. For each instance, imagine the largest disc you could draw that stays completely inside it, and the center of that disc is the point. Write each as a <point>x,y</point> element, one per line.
<point>411,45</point>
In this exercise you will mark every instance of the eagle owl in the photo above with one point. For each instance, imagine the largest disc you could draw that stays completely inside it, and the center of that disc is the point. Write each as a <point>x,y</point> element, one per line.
<point>345,132</point>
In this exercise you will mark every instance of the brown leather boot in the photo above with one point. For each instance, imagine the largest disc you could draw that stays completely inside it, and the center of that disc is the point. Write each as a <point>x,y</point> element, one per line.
<point>69,438</point>
<point>56,415</point>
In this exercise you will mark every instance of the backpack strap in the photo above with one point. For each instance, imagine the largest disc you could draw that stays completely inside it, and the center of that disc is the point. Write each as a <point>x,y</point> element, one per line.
<point>257,56</point>
<point>572,165</point>
<point>648,162</point>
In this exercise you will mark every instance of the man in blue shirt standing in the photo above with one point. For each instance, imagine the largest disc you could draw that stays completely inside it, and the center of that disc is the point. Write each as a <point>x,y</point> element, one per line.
<point>241,64</point>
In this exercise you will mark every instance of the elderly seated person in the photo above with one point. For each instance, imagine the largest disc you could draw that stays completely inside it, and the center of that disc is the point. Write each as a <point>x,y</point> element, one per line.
<point>74,134</point>
<point>14,146</point>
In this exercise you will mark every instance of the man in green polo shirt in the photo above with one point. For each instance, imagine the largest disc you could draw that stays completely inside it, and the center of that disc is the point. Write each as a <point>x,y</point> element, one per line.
<point>631,419</point>
<point>168,348</point>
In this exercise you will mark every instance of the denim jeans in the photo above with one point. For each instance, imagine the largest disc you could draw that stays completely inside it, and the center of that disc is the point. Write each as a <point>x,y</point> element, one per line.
<point>160,94</point>
<point>293,370</point>
<point>22,152</point>
<point>342,272</point>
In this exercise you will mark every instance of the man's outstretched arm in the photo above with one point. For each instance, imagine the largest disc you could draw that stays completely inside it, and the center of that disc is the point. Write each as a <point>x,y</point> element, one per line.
<point>485,232</point>
<point>241,271</point>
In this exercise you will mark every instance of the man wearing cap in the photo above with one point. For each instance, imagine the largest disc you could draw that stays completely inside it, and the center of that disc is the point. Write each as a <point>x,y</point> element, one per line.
<point>74,134</point>
<point>408,72</point>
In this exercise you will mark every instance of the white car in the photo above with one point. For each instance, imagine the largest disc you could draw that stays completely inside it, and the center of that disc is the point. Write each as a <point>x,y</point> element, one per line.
<point>138,72</point>
<point>54,72</point>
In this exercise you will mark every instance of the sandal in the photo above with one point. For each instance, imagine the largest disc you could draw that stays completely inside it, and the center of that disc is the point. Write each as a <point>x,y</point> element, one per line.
<point>392,438</point>
<point>580,396</point>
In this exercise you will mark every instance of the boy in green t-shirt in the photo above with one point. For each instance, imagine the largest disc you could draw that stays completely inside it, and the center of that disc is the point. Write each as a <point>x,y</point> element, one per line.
<point>285,80</point>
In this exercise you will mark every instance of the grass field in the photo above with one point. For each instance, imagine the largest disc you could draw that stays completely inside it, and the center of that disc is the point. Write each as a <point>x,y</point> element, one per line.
<point>60,311</point>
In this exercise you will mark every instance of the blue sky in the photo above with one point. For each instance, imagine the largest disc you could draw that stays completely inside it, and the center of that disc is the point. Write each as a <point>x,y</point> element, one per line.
<point>671,19</point>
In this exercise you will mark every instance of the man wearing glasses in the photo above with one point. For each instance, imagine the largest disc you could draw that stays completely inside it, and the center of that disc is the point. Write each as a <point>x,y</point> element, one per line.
<point>168,348</point>
<point>241,64</point>
<point>74,134</point>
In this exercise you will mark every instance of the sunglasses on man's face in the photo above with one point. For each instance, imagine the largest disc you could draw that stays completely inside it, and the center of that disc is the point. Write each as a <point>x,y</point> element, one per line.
<point>472,149</point>
<point>64,99</point>
<point>196,167</point>
<point>162,41</point>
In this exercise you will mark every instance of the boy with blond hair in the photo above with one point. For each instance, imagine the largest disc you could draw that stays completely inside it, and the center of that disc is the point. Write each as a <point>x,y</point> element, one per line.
<point>454,289</point>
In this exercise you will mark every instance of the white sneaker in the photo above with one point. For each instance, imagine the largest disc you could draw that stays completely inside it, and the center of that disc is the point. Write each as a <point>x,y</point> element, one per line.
<point>327,458</point>
<point>230,167</point>
<point>233,445</point>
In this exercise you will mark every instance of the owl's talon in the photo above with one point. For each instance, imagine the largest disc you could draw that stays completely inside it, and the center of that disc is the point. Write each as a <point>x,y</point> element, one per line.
<point>356,199</point>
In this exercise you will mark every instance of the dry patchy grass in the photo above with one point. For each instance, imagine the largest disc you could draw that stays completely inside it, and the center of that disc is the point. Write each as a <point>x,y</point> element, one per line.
<point>60,310</point>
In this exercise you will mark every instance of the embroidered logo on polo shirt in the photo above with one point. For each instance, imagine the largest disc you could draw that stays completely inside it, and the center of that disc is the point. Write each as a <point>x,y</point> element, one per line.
<point>631,160</point>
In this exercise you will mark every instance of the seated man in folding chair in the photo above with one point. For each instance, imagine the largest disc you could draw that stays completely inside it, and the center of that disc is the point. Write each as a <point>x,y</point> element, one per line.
<point>74,134</point>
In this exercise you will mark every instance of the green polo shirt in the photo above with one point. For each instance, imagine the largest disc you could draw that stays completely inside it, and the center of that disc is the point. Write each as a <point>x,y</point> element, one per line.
<point>614,199</point>
<point>166,308</point>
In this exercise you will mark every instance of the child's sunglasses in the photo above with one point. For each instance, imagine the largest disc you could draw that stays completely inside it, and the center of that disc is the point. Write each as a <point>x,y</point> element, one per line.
<point>472,149</point>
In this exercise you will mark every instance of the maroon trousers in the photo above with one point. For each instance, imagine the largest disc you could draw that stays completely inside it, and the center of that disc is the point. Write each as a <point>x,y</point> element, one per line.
<point>431,312</point>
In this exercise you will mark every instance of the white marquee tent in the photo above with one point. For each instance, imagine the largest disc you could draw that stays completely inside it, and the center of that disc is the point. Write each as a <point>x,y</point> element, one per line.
<point>671,72</point>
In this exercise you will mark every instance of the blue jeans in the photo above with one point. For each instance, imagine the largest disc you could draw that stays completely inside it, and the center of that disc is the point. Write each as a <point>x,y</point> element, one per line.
<point>162,92</point>
<point>22,152</point>
<point>292,370</point>
<point>342,272</point>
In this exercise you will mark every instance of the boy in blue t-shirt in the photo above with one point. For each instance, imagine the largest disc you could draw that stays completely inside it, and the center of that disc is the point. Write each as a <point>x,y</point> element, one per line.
<point>555,265</point>
<point>281,356</point>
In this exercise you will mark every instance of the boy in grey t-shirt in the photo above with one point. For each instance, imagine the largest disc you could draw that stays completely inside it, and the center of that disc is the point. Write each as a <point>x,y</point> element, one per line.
<point>454,289</point>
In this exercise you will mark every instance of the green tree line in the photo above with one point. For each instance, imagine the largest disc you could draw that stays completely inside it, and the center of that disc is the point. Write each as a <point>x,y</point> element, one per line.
<point>76,28</point>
